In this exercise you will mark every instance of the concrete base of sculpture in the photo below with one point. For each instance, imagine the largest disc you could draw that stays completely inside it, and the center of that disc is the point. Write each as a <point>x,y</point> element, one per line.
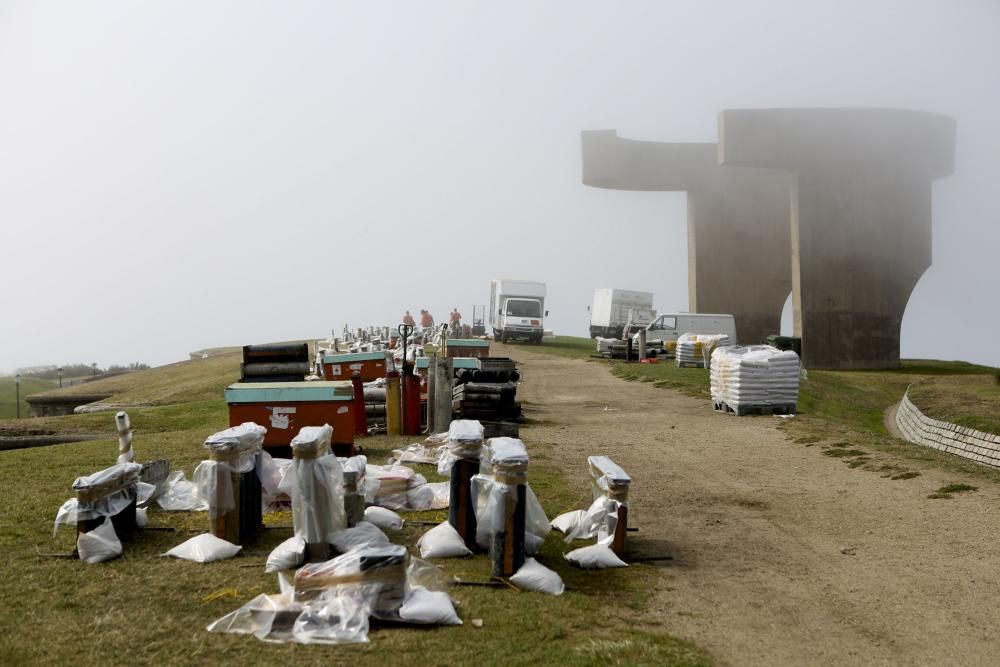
<point>860,217</point>
<point>739,248</point>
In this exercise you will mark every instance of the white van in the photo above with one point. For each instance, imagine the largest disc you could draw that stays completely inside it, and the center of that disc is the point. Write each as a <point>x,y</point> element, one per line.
<point>670,326</point>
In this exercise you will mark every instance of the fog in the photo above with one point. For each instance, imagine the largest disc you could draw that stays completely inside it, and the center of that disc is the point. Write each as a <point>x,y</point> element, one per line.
<point>176,176</point>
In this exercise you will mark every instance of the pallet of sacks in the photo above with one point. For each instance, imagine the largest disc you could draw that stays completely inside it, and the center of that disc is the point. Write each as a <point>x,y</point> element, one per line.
<point>756,379</point>
<point>695,350</point>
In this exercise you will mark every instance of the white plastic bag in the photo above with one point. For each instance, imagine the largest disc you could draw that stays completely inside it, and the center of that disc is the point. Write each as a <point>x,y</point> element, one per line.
<point>364,534</point>
<point>100,544</point>
<point>420,497</point>
<point>430,607</point>
<point>287,555</point>
<point>179,495</point>
<point>596,556</point>
<point>65,515</point>
<point>533,576</point>
<point>384,518</point>
<point>204,548</point>
<point>566,523</point>
<point>141,518</point>
<point>443,541</point>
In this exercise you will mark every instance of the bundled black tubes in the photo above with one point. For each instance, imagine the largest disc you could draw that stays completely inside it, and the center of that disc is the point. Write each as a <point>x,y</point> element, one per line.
<point>271,369</point>
<point>271,352</point>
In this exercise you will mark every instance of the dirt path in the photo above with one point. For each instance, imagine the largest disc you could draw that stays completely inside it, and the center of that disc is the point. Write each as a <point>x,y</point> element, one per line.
<point>782,556</point>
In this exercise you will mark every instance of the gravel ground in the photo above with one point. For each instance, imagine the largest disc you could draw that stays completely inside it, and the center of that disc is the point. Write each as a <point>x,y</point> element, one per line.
<point>781,556</point>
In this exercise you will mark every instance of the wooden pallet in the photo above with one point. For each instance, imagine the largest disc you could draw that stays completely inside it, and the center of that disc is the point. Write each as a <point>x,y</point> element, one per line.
<point>784,409</point>
<point>690,364</point>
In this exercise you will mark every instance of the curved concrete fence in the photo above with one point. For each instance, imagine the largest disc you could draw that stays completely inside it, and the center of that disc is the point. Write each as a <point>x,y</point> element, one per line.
<point>920,429</point>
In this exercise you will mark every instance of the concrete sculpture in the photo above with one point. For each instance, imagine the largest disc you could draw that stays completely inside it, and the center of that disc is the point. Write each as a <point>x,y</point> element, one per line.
<point>739,248</point>
<point>860,217</point>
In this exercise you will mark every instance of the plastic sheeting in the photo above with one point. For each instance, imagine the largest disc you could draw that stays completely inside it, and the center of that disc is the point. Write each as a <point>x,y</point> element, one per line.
<point>379,570</point>
<point>121,479</point>
<point>331,602</point>
<point>490,502</point>
<point>235,450</point>
<point>342,619</point>
<point>99,544</point>
<point>315,483</point>
<point>598,521</point>
<point>179,495</point>
<point>465,441</point>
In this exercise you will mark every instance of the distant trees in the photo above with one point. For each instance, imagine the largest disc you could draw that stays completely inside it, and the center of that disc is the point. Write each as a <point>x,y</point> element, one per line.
<point>51,371</point>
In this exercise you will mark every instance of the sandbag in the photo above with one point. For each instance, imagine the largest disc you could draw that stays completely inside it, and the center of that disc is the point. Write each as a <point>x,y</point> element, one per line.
<point>568,522</point>
<point>204,548</point>
<point>100,544</point>
<point>443,541</point>
<point>596,556</point>
<point>364,534</point>
<point>533,576</point>
<point>430,607</point>
<point>287,555</point>
<point>383,518</point>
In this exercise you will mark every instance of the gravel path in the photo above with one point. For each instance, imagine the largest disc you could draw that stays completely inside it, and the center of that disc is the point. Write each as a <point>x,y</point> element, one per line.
<point>782,556</point>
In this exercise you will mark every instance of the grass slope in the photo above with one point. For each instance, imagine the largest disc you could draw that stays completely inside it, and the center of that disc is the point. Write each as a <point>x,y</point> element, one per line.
<point>184,381</point>
<point>973,402</point>
<point>154,610</point>
<point>8,394</point>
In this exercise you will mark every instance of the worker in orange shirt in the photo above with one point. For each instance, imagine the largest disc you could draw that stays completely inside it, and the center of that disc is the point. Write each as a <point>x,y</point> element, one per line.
<point>456,321</point>
<point>426,320</point>
<point>408,319</point>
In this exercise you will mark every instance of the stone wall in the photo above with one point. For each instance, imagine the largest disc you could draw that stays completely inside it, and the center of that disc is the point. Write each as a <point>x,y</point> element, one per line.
<point>918,428</point>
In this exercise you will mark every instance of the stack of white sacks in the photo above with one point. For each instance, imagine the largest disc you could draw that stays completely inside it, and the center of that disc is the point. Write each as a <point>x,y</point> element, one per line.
<point>696,349</point>
<point>755,375</point>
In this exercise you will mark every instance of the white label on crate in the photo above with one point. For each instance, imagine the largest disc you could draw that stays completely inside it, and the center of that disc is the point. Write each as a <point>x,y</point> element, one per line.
<point>342,410</point>
<point>355,367</point>
<point>280,417</point>
<point>335,370</point>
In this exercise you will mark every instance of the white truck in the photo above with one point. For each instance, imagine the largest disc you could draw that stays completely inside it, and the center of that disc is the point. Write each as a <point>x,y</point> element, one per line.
<point>611,309</point>
<point>517,310</point>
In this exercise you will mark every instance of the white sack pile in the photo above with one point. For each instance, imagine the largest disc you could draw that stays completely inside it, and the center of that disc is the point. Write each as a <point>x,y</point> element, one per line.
<point>756,375</point>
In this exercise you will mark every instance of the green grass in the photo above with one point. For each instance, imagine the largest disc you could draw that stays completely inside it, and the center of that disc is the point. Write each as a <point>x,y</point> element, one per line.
<point>970,401</point>
<point>8,394</point>
<point>567,346</point>
<point>154,610</point>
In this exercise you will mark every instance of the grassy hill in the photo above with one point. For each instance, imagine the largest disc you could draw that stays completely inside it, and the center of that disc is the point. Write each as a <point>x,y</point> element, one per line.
<point>181,382</point>
<point>155,609</point>
<point>8,392</point>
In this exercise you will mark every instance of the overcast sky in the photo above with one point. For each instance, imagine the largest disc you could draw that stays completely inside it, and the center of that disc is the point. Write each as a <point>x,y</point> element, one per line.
<point>179,175</point>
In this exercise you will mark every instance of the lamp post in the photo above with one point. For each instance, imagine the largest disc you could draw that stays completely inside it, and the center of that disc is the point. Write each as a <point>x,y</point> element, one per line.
<point>59,370</point>
<point>17,393</point>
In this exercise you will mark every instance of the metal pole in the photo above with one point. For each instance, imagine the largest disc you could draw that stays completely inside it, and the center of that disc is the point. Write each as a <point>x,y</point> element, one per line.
<point>17,394</point>
<point>60,376</point>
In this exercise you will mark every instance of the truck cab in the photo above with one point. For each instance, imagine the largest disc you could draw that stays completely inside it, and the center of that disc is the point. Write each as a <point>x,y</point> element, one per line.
<point>517,310</point>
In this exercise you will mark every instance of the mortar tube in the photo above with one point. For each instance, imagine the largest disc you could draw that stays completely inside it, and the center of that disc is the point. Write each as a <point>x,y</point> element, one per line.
<point>411,414</point>
<point>392,403</point>
<point>360,418</point>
